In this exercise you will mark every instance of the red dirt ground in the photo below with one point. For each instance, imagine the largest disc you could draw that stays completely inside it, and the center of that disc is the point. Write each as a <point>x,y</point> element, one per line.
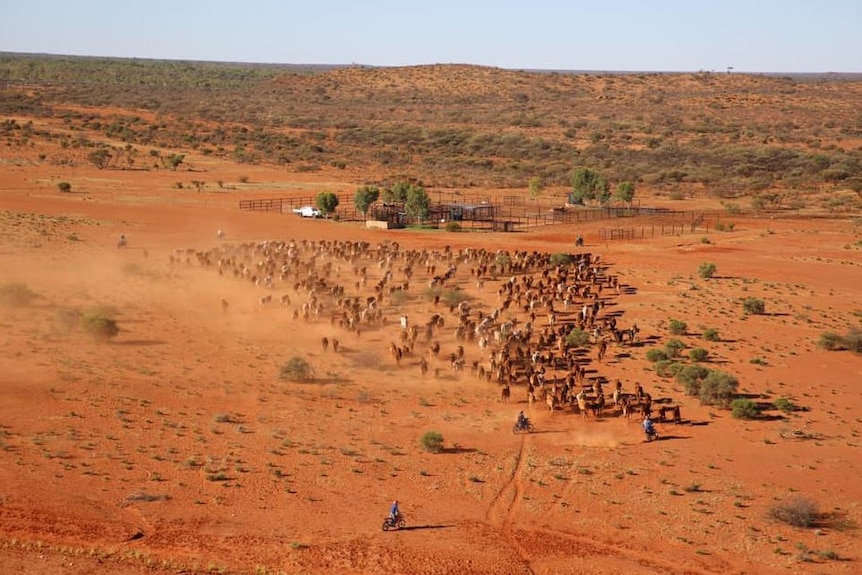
<point>176,448</point>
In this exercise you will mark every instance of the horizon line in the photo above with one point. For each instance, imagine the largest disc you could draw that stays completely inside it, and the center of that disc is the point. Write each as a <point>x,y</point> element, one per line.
<point>730,70</point>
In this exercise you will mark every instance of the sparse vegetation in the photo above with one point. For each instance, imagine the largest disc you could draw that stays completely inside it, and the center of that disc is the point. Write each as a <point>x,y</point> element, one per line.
<point>432,442</point>
<point>706,270</point>
<point>797,511</point>
<point>296,369</point>
<point>698,354</point>
<point>653,355</point>
<point>851,341</point>
<point>784,404</point>
<point>743,409</point>
<point>711,334</point>
<point>64,187</point>
<point>578,338</point>
<point>99,325</point>
<point>677,327</point>
<point>754,306</point>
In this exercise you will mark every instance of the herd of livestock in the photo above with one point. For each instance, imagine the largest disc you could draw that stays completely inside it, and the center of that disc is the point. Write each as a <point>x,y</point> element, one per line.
<point>538,321</point>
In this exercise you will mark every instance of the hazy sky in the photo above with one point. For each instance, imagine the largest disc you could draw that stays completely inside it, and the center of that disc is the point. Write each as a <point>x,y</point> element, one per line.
<point>632,35</point>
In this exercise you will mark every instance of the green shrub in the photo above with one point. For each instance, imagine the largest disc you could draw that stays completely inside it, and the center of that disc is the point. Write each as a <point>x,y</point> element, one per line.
<point>655,355</point>
<point>16,294</point>
<point>711,334</point>
<point>578,338</point>
<point>743,409</point>
<point>453,297</point>
<point>296,369</point>
<point>452,226</point>
<point>798,512</point>
<point>560,259</point>
<point>706,270</point>
<point>432,442</point>
<point>753,306</point>
<point>667,367</point>
<point>64,187</point>
<point>718,388</point>
<point>99,325</point>
<point>677,327</point>
<point>784,404</point>
<point>691,377</point>
<point>674,347</point>
<point>698,354</point>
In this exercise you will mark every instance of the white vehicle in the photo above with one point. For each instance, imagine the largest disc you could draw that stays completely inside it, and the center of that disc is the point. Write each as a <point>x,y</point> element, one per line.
<point>308,212</point>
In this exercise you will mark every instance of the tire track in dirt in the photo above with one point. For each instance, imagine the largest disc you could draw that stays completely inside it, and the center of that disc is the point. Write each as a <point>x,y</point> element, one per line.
<point>501,512</point>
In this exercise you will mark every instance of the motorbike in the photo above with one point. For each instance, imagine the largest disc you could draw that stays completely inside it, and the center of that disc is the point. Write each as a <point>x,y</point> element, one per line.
<point>525,426</point>
<point>394,523</point>
<point>651,434</point>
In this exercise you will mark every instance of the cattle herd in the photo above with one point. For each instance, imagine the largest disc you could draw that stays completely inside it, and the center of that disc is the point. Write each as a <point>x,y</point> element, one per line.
<point>531,321</point>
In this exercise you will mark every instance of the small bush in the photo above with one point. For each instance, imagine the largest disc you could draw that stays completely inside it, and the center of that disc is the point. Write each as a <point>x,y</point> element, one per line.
<point>798,512</point>
<point>667,368</point>
<point>432,442</point>
<point>706,270</point>
<point>561,259</point>
<point>452,226</point>
<point>711,334</point>
<point>834,342</point>
<point>296,369</point>
<point>698,354</point>
<point>17,294</point>
<point>677,327</point>
<point>453,297</point>
<point>718,388</point>
<point>99,325</point>
<point>64,187</point>
<point>743,409</point>
<point>784,404</point>
<point>754,306</point>
<point>654,355</point>
<point>674,347</point>
<point>578,338</point>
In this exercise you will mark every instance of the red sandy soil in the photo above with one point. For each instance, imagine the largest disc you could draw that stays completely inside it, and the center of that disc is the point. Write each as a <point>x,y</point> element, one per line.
<point>110,450</point>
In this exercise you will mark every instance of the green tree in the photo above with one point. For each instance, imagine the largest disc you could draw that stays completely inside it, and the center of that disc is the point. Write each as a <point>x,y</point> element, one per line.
<point>626,192</point>
<point>364,197</point>
<point>417,203</point>
<point>327,202</point>
<point>99,158</point>
<point>537,186</point>
<point>397,193</point>
<point>588,185</point>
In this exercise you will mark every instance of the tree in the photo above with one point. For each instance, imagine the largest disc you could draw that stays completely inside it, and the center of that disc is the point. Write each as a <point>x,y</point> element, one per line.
<point>327,202</point>
<point>364,197</point>
<point>64,187</point>
<point>537,186</point>
<point>588,185</point>
<point>99,158</point>
<point>398,192</point>
<point>417,204</point>
<point>626,192</point>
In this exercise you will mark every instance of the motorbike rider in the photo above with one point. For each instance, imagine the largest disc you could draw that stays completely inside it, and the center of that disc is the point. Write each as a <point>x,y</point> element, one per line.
<point>522,419</point>
<point>394,512</point>
<point>648,427</point>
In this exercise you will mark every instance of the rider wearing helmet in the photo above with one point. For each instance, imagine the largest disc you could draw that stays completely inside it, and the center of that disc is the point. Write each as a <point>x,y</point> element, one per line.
<point>394,512</point>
